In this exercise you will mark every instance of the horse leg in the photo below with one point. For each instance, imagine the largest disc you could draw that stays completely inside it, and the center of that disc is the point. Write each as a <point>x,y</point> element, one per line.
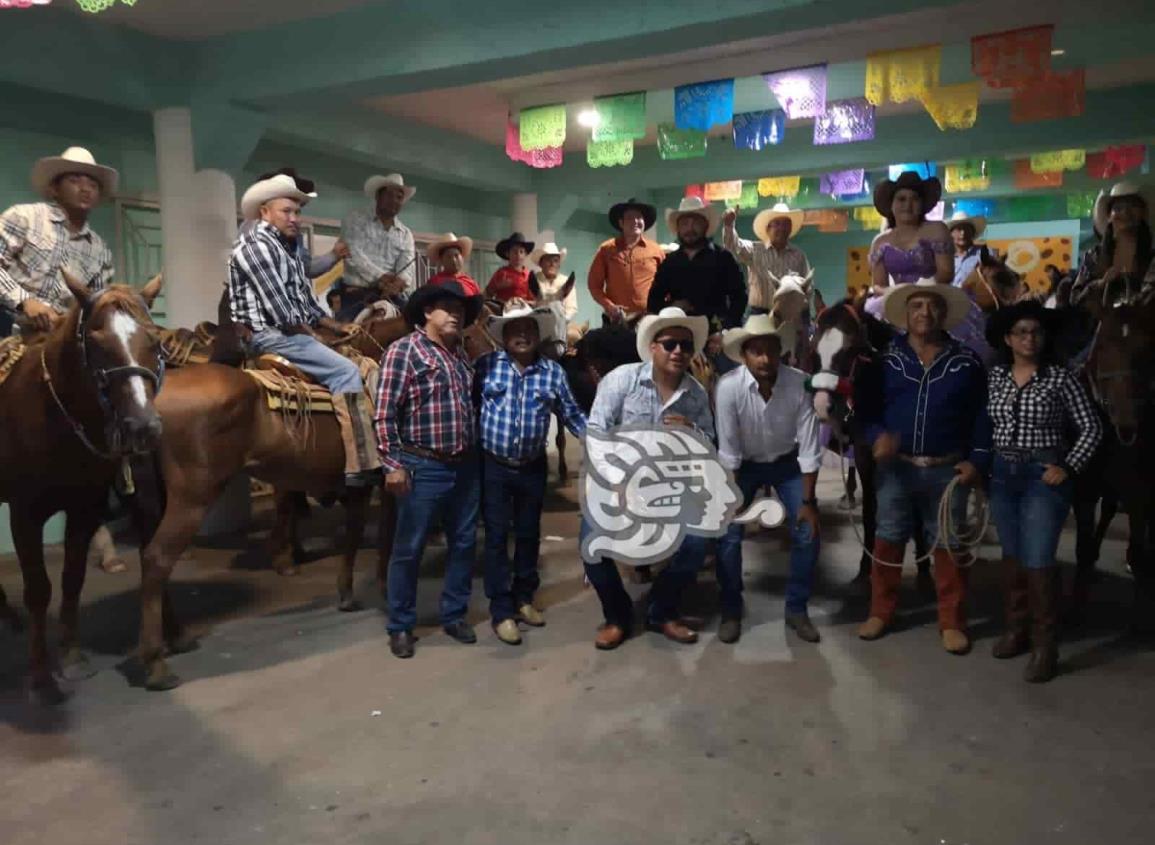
<point>868,476</point>
<point>1087,546</point>
<point>1143,568</point>
<point>282,543</point>
<point>8,615</point>
<point>83,520</point>
<point>386,530</point>
<point>559,442</point>
<point>28,538</point>
<point>356,509</point>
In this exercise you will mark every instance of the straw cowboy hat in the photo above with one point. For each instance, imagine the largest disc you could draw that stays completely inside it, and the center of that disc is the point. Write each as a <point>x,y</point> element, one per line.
<point>1102,213</point>
<point>698,207</point>
<point>415,307</point>
<point>958,304</point>
<point>763,219</point>
<point>648,212</point>
<point>547,248</point>
<point>516,239</point>
<point>757,325</point>
<point>544,317</point>
<point>929,189</point>
<point>651,325</point>
<point>394,180</point>
<point>73,160</point>
<point>280,186</point>
<point>961,218</point>
<point>447,240</point>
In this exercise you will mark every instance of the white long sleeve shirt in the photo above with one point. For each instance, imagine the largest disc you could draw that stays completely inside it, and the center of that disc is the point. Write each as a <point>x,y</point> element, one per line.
<point>752,429</point>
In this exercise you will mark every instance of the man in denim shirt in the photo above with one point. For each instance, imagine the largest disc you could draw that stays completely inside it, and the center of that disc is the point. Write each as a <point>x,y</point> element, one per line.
<point>932,426</point>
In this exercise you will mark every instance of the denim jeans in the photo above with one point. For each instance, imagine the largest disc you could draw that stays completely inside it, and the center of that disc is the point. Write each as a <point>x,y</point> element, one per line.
<point>336,372</point>
<point>512,496</point>
<point>618,607</point>
<point>785,477</point>
<point>453,492</point>
<point>1028,513</point>
<point>907,492</point>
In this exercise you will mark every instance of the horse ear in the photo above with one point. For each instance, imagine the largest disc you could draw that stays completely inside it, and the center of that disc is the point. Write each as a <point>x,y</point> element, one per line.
<point>809,278</point>
<point>568,286</point>
<point>76,287</point>
<point>151,290</point>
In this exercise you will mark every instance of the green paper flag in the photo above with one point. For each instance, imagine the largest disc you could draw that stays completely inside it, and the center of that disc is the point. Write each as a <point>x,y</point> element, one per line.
<point>749,198</point>
<point>609,153</point>
<point>542,127</point>
<point>620,118</point>
<point>675,143</point>
<point>1080,205</point>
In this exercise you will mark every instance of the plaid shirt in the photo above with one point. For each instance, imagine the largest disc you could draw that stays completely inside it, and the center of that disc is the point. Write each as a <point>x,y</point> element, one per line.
<point>35,244</point>
<point>1034,416</point>
<point>765,261</point>
<point>269,283</point>
<point>516,406</point>
<point>424,399</point>
<point>375,250</point>
<point>629,396</point>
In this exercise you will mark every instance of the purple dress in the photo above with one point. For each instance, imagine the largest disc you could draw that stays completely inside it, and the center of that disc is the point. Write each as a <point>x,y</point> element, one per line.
<point>905,266</point>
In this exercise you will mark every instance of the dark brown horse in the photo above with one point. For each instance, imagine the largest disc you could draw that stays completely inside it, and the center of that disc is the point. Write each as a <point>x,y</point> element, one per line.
<point>73,407</point>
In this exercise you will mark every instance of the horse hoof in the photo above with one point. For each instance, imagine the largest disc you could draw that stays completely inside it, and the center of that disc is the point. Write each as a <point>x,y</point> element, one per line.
<point>183,644</point>
<point>349,604</point>
<point>161,681</point>
<point>75,666</point>
<point>47,692</point>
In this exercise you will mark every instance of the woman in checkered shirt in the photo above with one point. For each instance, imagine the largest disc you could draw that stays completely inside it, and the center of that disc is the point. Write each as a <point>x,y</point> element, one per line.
<point>1034,404</point>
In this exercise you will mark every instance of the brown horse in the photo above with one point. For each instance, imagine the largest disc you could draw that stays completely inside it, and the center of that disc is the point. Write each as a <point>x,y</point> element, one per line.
<point>73,407</point>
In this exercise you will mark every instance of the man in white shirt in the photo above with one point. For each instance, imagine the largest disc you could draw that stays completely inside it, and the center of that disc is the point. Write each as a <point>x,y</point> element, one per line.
<point>768,435</point>
<point>382,253</point>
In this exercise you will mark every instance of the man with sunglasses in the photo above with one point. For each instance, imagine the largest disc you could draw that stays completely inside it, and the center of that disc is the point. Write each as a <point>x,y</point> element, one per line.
<point>657,392</point>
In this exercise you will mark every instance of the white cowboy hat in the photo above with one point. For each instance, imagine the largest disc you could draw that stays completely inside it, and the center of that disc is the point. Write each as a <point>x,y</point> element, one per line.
<point>394,180</point>
<point>651,325</point>
<point>547,248</point>
<point>447,240</point>
<point>961,218</point>
<point>757,325</point>
<point>281,186</point>
<point>1102,212</point>
<point>958,304</point>
<point>73,160</point>
<point>763,219</point>
<point>544,317</point>
<point>694,205</point>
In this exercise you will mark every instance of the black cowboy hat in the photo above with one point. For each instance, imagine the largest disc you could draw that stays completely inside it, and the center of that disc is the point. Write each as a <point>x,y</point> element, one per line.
<point>305,186</point>
<point>429,293</point>
<point>930,189</point>
<point>1000,323</point>
<point>649,213</point>
<point>517,238</point>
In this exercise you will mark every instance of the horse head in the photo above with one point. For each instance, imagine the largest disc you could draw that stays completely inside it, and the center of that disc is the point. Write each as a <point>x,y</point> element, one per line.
<point>844,338</point>
<point>791,296</point>
<point>993,285</point>
<point>115,346</point>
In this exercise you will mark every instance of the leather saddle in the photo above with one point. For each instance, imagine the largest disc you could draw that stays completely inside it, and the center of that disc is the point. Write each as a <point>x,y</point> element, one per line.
<point>281,365</point>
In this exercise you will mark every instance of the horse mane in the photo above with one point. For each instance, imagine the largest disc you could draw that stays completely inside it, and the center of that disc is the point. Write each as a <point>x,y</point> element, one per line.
<point>127,299</point>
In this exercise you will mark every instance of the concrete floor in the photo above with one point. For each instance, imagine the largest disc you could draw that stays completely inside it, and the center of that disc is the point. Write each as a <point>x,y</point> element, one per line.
<point>295,725</point>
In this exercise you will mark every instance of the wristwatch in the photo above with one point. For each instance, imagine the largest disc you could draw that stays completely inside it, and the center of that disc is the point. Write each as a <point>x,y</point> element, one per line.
<point>813,502</point>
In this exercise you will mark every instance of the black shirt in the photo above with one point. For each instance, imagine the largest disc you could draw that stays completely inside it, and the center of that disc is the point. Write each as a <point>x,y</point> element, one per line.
<point>711,283</point>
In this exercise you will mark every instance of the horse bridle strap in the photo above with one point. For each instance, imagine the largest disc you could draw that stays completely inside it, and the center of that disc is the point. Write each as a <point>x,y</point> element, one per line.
<point>103,377</point>
<point>77,428</point>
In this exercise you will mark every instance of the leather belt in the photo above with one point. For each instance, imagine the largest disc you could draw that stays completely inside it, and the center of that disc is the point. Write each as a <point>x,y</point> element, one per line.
<point>443,457</point>
<point>508,464</point>
<point>930,460</point>
<point>1029,456</point>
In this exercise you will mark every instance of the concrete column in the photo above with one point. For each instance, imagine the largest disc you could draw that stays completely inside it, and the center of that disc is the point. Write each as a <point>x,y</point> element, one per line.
<point>524,214</point>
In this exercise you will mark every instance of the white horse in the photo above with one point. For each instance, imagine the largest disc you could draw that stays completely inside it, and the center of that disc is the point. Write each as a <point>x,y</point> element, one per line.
<point>791,297</point>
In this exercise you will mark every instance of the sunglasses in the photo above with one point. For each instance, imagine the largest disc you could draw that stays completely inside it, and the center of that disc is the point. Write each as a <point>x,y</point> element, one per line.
<point>670,344</point>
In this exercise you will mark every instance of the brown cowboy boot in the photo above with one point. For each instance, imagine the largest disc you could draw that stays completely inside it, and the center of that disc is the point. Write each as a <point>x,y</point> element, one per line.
<point>362,463</point>
<point>1043,590</point>
<point>950,580</point>
<point>1016,638</point>
<point>885,579</point>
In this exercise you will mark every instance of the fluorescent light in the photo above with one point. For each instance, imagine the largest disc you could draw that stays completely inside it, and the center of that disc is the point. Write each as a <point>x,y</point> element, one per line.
<point>589,118</point>
<point>1058,52</point>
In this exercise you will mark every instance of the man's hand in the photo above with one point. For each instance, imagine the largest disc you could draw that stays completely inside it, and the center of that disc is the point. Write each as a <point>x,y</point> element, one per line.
<point>885,447</point>
<point>968,473</point>
<point>397,482</point>
<point>614,313</point>
<point>347,329</point>
<point>41,316</point>
<point>390,284</point>
<point>809,515</point>
<point>729,216</point>
<point>714,344</point>
<point>677,419</point>
<point>1054,475</point>
<point>341,249</point>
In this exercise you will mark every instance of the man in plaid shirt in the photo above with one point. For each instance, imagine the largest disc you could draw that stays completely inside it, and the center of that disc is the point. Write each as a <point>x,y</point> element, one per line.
<point>426,431</point>
<point>517,392</point>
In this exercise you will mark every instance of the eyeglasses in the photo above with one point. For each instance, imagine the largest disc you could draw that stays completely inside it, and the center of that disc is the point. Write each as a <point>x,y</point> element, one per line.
<point>670,344</point>
<point>1027,333</point>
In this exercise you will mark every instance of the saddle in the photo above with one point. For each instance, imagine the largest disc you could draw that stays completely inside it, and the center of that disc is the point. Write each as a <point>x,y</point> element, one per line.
<point>287,387</point>
<point>11,351</point>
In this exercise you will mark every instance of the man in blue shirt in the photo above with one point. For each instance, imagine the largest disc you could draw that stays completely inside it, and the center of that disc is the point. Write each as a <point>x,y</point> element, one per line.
<point>931,426</point>
<point>518,392</point>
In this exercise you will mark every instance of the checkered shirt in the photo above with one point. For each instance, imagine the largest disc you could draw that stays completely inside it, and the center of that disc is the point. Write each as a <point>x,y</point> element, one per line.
<point>269,283</point>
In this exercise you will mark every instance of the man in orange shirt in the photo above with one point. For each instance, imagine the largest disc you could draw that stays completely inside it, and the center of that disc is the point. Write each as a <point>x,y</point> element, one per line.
<point>624,266</point>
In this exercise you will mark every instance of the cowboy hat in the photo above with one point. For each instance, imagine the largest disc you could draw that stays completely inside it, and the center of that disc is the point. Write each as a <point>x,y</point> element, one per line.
<point>929,189</point>
<point>757,325</point>
<point>394,180</point>
<point>763,220</point>
<point>73,160</point>
<point>447,240</point>
<point>547,248</point>
<point>544,317</point>
<point>648,212</point>
<point>516,239</point>
<point>1102,212</point>
<point>958,304</point>
<point>961,218</point>
<point>651,325</point>
<point>1000,323</point>
<point>696,206</point>
<point>428,293</point>
<point>276,187</point>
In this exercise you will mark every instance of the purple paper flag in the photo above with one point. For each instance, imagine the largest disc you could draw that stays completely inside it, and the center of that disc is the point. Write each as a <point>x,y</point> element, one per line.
<point>801,91</point>
<point>845,122</point>
<point>843,183</point>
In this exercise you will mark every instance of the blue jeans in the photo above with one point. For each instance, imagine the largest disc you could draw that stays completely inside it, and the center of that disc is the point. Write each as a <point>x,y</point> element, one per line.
<point>451,491</point>
<point>907,492</point>
<point>1028,513</point>
<point>785,477</point>
<point>512,496</point>
<point>618,607</point>
<point>336,372</point>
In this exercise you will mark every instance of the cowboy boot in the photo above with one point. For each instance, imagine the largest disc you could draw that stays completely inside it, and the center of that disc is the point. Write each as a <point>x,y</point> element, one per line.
<point>1016,638</point>
<point>362,463</point>
<point>1043,591</point>
<point>885,579</point>
<point>950,581</point>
